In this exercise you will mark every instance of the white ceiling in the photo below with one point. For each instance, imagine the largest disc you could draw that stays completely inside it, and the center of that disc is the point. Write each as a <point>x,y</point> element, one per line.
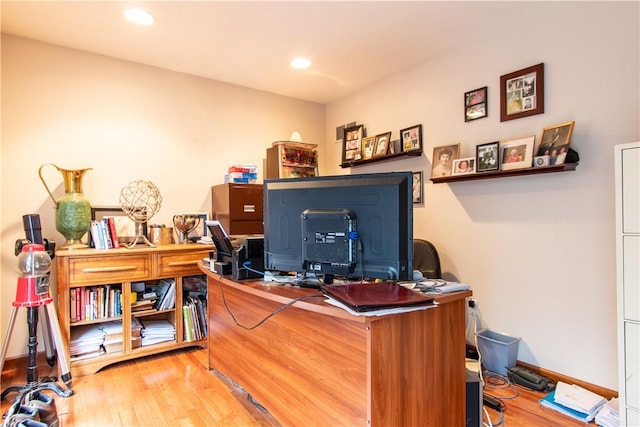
<point>250,43</point>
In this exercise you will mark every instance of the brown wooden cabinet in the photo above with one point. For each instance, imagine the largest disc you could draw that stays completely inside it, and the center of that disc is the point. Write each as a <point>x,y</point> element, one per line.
<point>115,270</point>
<point>238,207</point>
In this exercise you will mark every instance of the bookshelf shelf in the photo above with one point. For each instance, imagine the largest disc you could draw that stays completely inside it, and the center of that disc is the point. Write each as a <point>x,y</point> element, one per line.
<point>93,269</point>
<point>504,174</point>
<point>396,156</point>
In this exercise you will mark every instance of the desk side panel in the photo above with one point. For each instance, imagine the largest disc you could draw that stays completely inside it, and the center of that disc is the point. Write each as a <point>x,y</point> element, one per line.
<point>305,367</point>
<point>417,368</point>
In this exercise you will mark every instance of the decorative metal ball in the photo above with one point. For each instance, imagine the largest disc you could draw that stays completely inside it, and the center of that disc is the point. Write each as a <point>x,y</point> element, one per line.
<point>140,200</point>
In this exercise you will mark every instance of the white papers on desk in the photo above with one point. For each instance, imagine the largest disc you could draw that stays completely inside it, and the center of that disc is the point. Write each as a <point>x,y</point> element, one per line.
<point>435,286</point>
<point>609,415</point>
<point>381,312</point>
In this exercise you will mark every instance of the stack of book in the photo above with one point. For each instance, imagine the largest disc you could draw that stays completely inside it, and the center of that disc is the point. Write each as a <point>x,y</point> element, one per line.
<point>574,401</point>
<point>103,233</point>
<point>157,331</point>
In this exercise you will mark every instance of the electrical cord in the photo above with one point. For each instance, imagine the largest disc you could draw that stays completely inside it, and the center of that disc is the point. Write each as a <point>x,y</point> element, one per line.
<point>270,315</point>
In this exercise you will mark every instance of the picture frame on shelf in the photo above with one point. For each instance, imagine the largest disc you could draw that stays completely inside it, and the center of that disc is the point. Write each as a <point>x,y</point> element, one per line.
<point>368,145</point>
<point>125,226</point>
<point>464,166</point>
<point>475,104</point>
<point>555,142</point>
<point>522,93</point>
<point>352,146</point>
<point>411,138</point>
<point>517,153</point>
<point>418,187</point>
<point>201,230</point>
<point>443,157</point>
<point>382,144</point>
<point>488,157</point>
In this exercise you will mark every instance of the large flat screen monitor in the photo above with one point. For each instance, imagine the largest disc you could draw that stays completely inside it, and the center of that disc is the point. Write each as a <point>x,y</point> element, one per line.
<point>356,226</point>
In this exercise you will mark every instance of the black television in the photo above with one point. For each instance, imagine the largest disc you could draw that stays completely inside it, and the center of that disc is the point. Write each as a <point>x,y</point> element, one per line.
<point>352,226</point>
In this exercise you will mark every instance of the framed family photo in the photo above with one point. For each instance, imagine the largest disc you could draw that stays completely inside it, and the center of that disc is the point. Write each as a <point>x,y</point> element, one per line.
<point>382,144</point>
<point>442,162</point>
<point>411,138</point>
<point>368,145</point>
<point>522,93</point>
<point>475,104</point>
<point>464,166</point>
<point>488,156</point>
<point>352,144</point>
<point>517,153</point>
<point>554,143</point>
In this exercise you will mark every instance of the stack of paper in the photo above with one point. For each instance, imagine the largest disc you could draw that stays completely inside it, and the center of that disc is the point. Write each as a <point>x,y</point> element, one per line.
<point>574,401</point>
<point>86,341</point>
<point>156,331</point>
<point>609,415</point>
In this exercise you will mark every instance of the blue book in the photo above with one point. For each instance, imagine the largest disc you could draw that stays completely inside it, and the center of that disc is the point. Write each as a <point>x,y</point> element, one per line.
<point>549,402</point>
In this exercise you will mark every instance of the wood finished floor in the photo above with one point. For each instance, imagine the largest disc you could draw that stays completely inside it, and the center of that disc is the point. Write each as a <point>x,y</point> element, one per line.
<point>176,389</point>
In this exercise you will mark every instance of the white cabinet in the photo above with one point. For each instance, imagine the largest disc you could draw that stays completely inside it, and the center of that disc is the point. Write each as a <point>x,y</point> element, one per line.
<point>627,162</point>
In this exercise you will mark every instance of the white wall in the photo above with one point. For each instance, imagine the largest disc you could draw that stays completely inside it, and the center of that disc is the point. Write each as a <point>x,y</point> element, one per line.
<point>127,122</point>
<point>538,251</point>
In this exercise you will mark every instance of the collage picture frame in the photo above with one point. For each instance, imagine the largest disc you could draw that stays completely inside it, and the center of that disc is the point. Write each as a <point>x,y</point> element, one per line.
<point>352,144</point>
<point>522,93</point>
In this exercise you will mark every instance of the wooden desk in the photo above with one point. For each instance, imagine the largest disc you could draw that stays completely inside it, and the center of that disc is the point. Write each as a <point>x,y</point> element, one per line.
<point>313,364</point>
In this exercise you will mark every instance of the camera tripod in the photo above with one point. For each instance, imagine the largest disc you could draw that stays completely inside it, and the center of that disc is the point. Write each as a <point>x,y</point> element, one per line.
<point>31,296</point>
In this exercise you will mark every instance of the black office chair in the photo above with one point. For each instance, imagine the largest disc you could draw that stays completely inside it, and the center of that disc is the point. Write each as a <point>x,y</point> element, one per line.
<point>426,259</point>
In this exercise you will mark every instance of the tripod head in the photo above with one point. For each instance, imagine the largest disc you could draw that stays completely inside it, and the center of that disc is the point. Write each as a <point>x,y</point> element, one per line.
<point>33,232</point>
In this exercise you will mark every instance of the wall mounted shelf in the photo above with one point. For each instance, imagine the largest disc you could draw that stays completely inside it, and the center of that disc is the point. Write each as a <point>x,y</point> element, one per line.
<point>395,156</point>
<point>503,174</point>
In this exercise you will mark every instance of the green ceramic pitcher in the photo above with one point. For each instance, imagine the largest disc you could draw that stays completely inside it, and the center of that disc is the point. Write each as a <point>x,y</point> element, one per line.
<point>73,211</point>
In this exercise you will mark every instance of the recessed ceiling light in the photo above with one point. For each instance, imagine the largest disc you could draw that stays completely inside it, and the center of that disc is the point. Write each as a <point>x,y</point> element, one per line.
<point>300,63</point>
<point>139,16</point>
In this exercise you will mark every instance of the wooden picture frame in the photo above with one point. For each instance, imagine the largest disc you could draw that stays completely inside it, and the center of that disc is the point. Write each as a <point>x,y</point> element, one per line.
<point>443,157</point>
<point>517,153</point>
<point>418,187</point>
<point>488,157</point>
<point>382,144</point>
<point>522,93</point>
<point>464,166</point>
<point>352,145</point>
<point>368,145</point>
<point>475,104</point>
<point>411,138</point>
<point>125,226</point>
<point>555,143</point>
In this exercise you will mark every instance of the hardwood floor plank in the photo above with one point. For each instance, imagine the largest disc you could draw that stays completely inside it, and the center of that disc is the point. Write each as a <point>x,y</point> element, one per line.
<point>176,389</point>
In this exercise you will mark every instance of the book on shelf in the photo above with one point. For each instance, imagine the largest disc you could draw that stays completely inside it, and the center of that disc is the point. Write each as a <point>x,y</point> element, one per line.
<point>165,290</point>
<point>113,233</point>
<point>94,303</point>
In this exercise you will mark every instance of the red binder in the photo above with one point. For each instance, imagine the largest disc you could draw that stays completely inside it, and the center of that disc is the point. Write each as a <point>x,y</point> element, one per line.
<point>376,296</point>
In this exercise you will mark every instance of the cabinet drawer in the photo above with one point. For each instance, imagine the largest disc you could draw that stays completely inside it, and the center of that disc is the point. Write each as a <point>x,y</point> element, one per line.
<point>103,269</point>
<point>180,264</point>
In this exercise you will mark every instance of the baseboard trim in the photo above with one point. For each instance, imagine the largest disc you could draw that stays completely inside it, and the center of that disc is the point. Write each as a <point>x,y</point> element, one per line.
<point>555,377</point>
